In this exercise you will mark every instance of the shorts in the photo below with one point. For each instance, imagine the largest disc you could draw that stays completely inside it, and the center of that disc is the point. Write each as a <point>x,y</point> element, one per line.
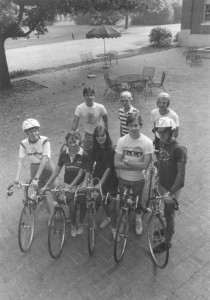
<point>137,187</point>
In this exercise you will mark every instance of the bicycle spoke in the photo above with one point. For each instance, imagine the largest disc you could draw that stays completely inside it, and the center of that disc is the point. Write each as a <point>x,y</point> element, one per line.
<point>121,237</point>
<point>157,240</point>
<point>26,228</point>
<point>56,233</point>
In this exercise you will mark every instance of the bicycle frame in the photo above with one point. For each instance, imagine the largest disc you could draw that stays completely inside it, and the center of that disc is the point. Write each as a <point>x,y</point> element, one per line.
<point>92,195</point>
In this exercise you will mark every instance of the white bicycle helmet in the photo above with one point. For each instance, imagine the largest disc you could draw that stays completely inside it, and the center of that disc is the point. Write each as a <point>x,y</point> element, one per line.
<point>30,123</point>
<point>165,122</point>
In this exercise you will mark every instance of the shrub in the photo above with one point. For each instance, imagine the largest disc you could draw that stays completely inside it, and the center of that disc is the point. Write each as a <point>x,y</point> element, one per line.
<point>175,39</point>
<point>160,36</point>
<point>177,12</point>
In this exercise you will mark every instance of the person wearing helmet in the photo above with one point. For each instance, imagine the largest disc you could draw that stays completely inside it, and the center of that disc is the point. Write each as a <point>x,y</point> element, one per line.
<point>125,99</point>
<point>133,155</point>
<point>163,110</point>
<point>37,148</point>
<point>171,172</point>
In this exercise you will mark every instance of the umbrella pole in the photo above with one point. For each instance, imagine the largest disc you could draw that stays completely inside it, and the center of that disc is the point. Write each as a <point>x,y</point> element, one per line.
<point>104,47</point>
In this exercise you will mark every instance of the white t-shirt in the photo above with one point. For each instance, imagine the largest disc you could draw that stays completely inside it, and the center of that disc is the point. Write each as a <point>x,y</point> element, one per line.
<point>36,150</point>
<point>155,115</point>
<point>134,149</point>
<point>92,116</point>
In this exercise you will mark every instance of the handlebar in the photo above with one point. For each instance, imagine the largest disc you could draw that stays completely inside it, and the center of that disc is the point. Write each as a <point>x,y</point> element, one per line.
<point>18,186</point>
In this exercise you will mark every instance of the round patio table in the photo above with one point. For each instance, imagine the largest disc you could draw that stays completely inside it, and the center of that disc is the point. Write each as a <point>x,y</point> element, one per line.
<point>131,78</point>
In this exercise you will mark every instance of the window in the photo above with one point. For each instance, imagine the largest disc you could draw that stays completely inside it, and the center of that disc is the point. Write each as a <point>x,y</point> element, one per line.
<point>207,12</point>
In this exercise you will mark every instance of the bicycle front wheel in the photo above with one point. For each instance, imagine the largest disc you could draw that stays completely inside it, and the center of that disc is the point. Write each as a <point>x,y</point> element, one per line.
<point>26,228</point>
<point>91,230</point>
<point>151,186</point>
<point>56,232</point>
<point>157,239</point>
<point>121,236</point>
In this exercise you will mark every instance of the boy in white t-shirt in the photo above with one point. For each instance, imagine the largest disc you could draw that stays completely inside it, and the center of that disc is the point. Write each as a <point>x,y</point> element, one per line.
<point>92,115</point>
<point>163,110</point>
<point>132,158</point>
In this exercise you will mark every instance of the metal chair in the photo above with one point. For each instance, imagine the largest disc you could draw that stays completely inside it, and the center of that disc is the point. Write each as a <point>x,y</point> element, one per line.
<point>113,86</point>
<point>158,84</point>
<point>113,55</point>
<point>139,87</point>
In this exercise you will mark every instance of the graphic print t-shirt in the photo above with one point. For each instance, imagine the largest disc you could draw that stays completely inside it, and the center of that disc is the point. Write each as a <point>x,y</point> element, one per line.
<point>92,116</point>
<point>36,150</point>
<point>134,149</point>
<point>169,156</point>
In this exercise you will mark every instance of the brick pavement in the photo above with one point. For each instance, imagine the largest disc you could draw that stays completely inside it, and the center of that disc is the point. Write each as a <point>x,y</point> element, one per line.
<point>76,275</point>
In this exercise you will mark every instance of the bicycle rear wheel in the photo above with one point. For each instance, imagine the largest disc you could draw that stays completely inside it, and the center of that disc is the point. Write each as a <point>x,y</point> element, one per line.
<point>26,228</point>
<point>91,230</point>
<point>157,239</point>
<point>56,232</point>
<point>121,236</point>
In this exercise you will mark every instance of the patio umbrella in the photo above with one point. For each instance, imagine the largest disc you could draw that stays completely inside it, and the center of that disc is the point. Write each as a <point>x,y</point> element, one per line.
<point>103,32</point>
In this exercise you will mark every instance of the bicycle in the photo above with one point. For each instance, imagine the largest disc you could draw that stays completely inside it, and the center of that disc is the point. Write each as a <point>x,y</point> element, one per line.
<point>128,202</point>
<point>156,229</point>
<point>94,198</point>
<point>57,225</point>
<point>26,226</point>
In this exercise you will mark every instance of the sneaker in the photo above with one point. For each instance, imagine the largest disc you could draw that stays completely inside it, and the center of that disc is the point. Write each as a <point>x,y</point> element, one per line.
<point>139,227</point>
<point>161,247</point>
<point>105,223</point>
<point>114,231</point>
<point>80,228</point>
<point>73,230</point>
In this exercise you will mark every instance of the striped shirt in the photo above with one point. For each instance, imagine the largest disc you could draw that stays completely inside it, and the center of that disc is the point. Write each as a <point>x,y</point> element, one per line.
<point>123,118</point>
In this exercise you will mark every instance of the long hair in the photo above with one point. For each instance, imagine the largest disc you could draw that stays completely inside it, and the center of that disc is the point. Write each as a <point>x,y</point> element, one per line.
<point>108,142</point>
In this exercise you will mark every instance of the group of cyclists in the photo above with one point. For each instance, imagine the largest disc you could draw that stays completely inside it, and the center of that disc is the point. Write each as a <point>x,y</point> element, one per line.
<point>117,168</point>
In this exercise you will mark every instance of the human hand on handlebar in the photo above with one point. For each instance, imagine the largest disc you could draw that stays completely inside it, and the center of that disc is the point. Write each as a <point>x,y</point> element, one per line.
<point>42,190</point>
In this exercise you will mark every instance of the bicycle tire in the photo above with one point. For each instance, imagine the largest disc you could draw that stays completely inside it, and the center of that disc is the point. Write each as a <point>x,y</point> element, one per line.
<point>91,230</point>
<point>26,228</point>
<point>56,232</point>
<point>156,234</point>
<point>151,185</point>
<point>120,241</point>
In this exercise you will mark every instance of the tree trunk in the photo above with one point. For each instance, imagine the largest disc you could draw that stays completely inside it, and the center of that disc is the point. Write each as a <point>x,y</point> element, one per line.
<point>126,22</point>
<point>4,73</point>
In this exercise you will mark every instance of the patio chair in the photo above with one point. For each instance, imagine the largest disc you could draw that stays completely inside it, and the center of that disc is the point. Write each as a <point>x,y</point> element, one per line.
<point>158,84</point>
<point>139,87</point>
<point>113,87</point>
<point>148,72</point>
<point>90,58</point>
<point>84,58</point>
<point>113,55</point>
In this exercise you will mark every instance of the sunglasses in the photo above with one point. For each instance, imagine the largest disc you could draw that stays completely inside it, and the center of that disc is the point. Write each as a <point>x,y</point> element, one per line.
<point>124,101</point>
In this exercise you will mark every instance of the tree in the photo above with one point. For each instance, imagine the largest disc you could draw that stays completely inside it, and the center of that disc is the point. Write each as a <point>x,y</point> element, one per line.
<point>34,14</point>
<point>31,13</point>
